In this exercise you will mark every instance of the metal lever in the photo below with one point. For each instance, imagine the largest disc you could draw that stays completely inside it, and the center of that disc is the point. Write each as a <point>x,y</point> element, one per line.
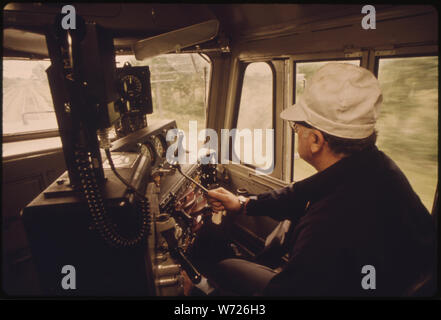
<point>177,166</point>
<point>205,190</point>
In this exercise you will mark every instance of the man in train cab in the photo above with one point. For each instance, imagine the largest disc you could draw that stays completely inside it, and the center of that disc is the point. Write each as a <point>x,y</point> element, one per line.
<point>358,228</point>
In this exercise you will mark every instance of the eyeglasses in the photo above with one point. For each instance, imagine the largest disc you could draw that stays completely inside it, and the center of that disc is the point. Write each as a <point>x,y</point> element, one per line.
<point>295,125</point>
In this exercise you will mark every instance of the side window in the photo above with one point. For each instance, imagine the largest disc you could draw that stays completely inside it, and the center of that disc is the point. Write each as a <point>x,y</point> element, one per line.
<point>303,72</point>
<point>408,121</point>
<point>27,101</point>
<point>255,112</point>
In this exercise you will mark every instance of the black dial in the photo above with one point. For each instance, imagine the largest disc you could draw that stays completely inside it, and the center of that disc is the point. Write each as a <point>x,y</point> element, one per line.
<point>131,86</point>
<point>159,145</point>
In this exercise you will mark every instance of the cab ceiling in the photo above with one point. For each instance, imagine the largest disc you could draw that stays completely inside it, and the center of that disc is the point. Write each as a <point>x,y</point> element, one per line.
<point>134,21</point>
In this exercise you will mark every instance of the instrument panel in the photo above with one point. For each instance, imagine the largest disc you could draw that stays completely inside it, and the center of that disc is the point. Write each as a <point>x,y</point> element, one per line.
<point>154,149</point>
<point>178,209</point>
<point>133,83</point>
<point>150,139</point>
<point>160,145</point>
<point>134,89</point>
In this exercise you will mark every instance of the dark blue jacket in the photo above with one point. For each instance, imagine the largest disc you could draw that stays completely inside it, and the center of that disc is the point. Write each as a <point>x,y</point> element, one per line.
<point>360,211</point>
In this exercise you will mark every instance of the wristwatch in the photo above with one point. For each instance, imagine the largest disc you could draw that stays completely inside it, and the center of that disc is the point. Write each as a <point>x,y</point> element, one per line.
<point>242,202</point>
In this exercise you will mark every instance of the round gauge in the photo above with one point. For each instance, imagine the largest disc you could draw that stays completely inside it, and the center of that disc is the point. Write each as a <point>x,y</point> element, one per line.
<point>159,145</point>
<point>131,86</point>
<point>146,150</point>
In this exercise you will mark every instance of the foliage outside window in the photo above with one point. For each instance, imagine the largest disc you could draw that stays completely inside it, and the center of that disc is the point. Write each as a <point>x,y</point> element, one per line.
<point>179,85</point>
<point>304,71</point>
<point>408,121</point>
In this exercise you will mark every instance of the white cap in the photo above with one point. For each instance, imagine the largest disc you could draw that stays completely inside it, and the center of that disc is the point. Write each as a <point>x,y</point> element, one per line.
<point>340,99</point>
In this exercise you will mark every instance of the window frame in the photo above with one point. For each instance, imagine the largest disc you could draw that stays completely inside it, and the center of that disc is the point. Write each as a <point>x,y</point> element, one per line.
<point>242,66</point>
<point>41,134</point>
<point>209,82</point>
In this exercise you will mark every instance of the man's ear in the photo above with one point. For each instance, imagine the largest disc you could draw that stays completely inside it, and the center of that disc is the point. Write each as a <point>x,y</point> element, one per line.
<point>318,141</point>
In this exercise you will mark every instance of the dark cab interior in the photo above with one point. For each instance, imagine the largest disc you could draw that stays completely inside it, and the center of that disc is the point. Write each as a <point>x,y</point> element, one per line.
<point>95,190</point>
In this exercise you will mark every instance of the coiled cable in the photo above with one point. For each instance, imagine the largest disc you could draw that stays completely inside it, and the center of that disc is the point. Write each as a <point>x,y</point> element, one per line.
<point>95,202</point>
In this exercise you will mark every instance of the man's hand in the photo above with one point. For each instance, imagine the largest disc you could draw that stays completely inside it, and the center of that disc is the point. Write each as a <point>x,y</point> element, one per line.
<point>221,199</point>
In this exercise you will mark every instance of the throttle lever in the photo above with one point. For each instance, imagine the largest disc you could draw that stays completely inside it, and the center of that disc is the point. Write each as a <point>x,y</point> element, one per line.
<point>178,166</point>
